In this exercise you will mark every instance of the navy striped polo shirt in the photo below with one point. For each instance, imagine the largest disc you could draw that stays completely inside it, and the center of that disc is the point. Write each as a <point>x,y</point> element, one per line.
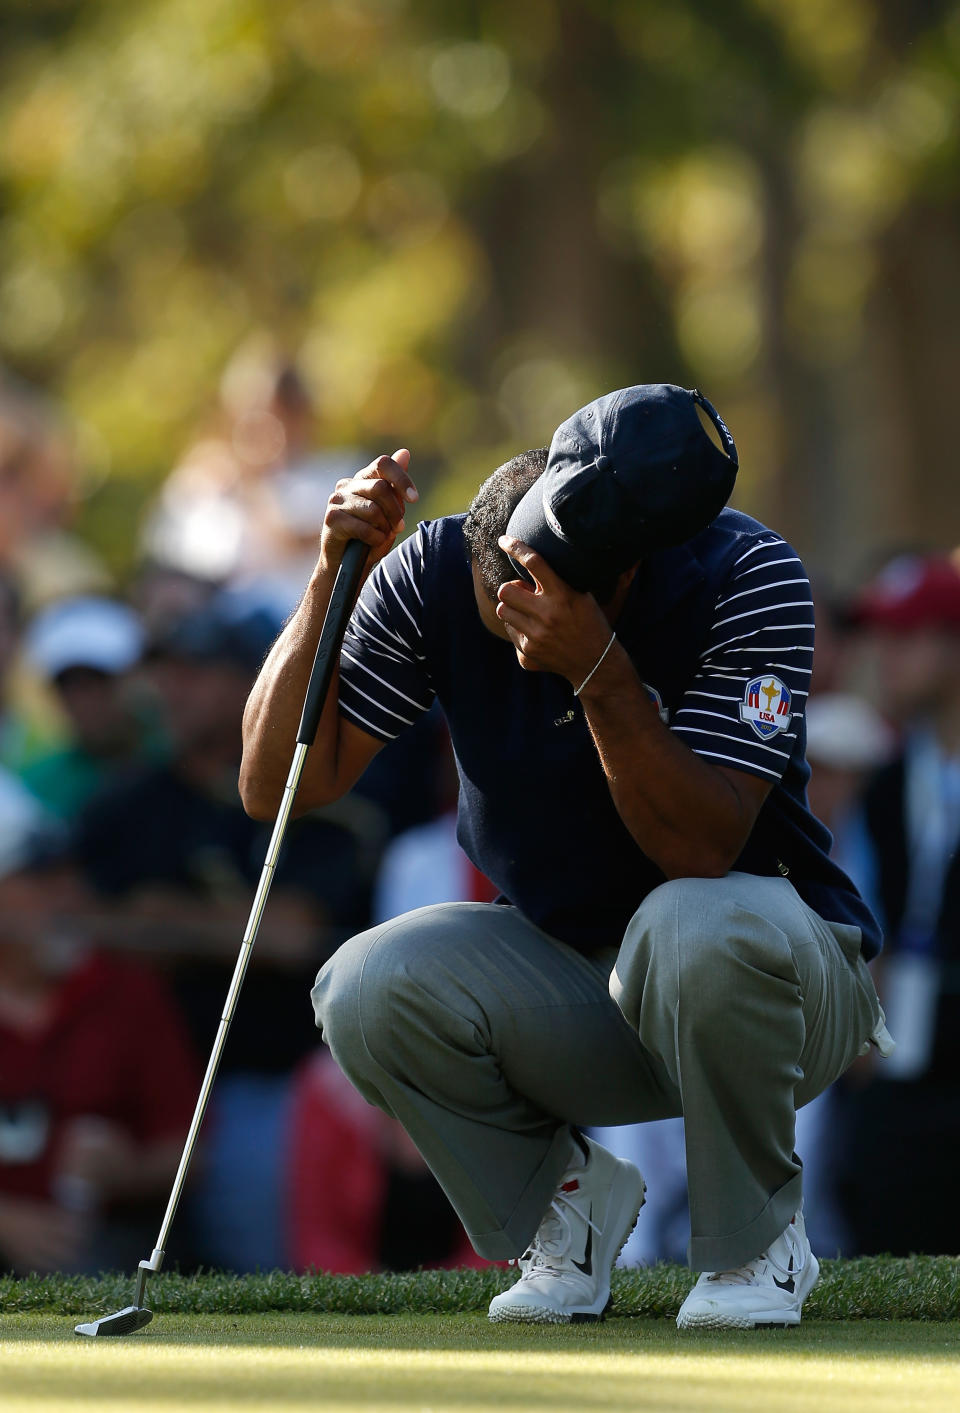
<point>720,631</point>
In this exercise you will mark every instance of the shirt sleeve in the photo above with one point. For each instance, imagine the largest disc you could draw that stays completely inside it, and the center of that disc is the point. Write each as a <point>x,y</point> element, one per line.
<point>384,681</point>
<point>753,678</point>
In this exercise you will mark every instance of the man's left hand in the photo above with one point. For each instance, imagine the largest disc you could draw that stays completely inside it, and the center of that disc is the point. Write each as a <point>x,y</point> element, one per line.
<point>552,627</point>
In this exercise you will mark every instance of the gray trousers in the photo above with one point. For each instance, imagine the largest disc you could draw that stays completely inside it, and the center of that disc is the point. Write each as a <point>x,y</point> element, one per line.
<point>729,1002</point>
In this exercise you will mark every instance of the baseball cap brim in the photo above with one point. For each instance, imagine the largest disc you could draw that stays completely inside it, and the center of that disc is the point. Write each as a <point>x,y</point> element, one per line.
<point>631,473</point>
<point>531,524</point>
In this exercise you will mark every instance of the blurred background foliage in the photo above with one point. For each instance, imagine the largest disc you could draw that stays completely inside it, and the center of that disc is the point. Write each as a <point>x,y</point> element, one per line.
<point>466,217</point>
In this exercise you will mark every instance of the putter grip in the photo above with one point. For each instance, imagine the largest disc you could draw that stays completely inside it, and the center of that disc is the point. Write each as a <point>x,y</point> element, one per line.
<point>331,636</point>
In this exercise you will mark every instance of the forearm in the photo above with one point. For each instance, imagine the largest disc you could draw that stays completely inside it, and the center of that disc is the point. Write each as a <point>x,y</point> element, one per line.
<point>274,707</point>
<point>684,813</point>
<point>689,817</point>
<point>367,507</point>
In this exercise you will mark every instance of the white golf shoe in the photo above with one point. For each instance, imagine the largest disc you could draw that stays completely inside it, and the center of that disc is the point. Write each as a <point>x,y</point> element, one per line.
<point>566,1268</point>
<point>769,1290</point>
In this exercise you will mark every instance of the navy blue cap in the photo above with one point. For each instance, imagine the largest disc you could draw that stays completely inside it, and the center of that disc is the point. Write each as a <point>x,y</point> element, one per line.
<point>633,472</point>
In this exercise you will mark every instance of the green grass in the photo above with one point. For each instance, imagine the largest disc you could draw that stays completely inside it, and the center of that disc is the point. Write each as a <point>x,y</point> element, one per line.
<point>295,1362</point>
<point>878,1288</point>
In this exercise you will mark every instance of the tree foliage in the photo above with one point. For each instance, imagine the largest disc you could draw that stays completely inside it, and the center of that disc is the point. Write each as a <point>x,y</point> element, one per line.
<point>464,219</point>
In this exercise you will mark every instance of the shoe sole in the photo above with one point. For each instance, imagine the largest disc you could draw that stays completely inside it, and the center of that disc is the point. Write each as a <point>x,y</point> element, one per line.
<point>546,1315</point>
<point>551,1315</point>
<point>762,1319</point>
<point>780,1320</point>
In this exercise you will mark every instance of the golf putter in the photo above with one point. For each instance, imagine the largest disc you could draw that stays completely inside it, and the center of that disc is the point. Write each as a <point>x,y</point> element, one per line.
<point>135,1316</point>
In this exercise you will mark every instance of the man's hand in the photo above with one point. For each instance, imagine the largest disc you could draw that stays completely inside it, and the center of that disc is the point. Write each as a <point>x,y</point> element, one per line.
<point>552,627</point>
<point>369,507</point>
<point>691,817</point>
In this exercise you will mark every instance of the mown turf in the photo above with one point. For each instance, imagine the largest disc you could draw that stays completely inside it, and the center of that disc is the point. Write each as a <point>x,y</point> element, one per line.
<point>880,1288</point>
<point>427,1363</point>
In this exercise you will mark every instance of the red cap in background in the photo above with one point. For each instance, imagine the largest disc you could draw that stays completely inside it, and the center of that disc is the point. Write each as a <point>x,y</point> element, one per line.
<point>912,591</point>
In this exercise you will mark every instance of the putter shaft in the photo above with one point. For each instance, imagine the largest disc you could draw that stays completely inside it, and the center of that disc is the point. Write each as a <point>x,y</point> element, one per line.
<point>134,1316</point>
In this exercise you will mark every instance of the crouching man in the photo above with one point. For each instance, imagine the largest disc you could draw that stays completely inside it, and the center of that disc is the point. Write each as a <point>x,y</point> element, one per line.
<point>623,665</point>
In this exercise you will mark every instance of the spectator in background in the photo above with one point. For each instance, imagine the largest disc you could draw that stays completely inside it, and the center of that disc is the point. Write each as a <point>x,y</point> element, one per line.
<point>162,597</point>
<point>359,1196</point>
<point>84,649</point>
<point>245,506</point>
<point>847,739</point>
<point>175,851</point>
<point>97,1078</point>
<point>837,640</point>
<point>900,1181</point>
<point>37,502</point>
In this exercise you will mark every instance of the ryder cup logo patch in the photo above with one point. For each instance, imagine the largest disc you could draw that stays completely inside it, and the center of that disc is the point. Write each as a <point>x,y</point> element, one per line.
<point>766,706</point>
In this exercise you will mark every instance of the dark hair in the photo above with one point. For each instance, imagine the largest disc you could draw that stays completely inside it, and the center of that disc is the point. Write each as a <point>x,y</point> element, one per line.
<point>490,511</point>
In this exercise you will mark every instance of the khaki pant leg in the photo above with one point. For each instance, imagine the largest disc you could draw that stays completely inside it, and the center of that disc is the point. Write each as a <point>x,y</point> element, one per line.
<point>753,1004</point>
<point>486,1039</point>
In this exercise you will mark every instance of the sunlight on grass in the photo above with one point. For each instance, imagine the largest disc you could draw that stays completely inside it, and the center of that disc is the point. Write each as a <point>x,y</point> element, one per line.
<point>237,1365</point>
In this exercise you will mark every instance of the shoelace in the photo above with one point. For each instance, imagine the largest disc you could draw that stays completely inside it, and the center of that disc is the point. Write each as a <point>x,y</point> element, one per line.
<point>747,1274</point>
<point>547,1251</point>
<point>739,1275</point>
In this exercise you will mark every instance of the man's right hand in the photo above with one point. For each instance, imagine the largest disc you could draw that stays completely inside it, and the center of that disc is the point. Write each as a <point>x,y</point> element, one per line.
<point>370,507</point>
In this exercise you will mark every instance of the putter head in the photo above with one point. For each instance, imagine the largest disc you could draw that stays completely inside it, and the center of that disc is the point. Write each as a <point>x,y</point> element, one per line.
<point>125,1321</point>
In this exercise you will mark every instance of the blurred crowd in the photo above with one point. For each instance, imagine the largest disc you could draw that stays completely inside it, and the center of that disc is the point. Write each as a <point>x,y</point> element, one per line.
<point>128,866</point>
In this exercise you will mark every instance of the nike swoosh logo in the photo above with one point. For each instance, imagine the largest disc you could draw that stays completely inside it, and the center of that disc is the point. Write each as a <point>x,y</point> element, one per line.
<point>789,1285</point>
<point>586,1265</point>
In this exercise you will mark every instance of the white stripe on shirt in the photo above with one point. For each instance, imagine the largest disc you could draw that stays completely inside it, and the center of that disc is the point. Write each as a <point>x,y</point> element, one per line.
<point>769,608</point>
<point>377,730</point>
<point>744,764</point>
<point>755,569</point>
<point>740,740</point>
<point>352,687</point>
<point>764,545</point>
<point>421,706</point>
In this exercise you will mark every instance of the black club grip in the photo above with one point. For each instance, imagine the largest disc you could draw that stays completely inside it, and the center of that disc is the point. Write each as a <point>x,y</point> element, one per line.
<point>331,636</point>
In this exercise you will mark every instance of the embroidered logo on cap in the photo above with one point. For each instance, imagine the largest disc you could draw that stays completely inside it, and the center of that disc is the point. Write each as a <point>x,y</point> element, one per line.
<point>766,706</point>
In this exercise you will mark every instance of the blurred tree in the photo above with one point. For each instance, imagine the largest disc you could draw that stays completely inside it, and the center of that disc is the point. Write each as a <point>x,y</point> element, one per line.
<point>464,219</point>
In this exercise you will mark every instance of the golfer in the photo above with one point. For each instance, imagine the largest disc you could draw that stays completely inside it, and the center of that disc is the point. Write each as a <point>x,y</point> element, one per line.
<point>623,666</point>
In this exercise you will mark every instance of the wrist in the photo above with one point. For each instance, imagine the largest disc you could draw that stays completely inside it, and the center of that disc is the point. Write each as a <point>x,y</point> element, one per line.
<point>328,560</point>
<point>614,687</point>
<point>590,675</point>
